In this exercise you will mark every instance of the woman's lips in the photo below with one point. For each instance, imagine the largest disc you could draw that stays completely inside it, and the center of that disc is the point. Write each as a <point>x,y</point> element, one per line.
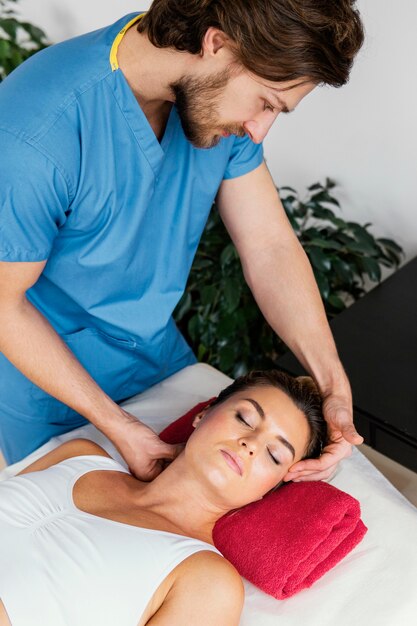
<point>234,462</point>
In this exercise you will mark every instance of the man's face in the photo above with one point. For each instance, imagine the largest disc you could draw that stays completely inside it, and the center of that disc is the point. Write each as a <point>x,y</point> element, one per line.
<point>233,102</point>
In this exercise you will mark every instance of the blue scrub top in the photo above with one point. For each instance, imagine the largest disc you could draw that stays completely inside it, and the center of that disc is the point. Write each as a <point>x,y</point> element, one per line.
<point>86,185</point>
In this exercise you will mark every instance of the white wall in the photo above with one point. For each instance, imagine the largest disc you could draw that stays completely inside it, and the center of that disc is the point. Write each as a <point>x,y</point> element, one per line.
<point>62,19</point>
<point>363,135</point>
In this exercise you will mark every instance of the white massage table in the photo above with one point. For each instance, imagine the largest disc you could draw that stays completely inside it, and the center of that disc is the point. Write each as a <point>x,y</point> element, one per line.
<point>375,585</point>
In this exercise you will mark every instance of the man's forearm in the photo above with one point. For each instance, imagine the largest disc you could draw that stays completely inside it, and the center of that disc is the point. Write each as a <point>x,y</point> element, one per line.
<point>283,284</point>
<point>33,346</point>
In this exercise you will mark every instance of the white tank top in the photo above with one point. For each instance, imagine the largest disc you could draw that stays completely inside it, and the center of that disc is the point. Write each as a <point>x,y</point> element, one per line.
<point>60,566</point>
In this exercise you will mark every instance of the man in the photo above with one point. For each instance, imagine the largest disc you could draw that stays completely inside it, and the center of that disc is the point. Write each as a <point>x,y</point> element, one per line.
<point>114,146</point>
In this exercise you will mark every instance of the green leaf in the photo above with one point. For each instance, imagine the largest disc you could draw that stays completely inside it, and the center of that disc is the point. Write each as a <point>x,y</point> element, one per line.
<point>36,33</point>
<point>287,189</point>
<point>361,233</point>
<point>200,263</point>
<point>341,224</point>
<point>371,267</point>
<point>392,257</point>
<point>226,325</point>
<point>183,306</point>
<point>330,184</point>
<point>391,245</point>
<point>345,239</point>
<point>10,26</point>
<point>301,210</point>
<point>240,369</point>
<point>227,255</point>
<point>293,222</point>
<point>321,212</point>
<point>194,327</point>
<point>323,285</point>
<point>343,270</point>
<point>289,199</point>
<point>336,302</point>
<point>314,187</point>
<point>208,294</point>
<point>16,57</point>
<point>312,232</point>
<point>323,243</point>
<point>232,291</point>
<point>4,49</point>
<point>319,260</point>
<point>226,357</point>
<point>386,263</point>
<point>324,196</point>
<point>364,240</point>
<point>364,247</point>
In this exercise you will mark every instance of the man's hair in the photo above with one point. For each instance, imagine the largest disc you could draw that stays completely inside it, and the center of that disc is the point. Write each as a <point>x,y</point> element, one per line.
<point>302,390</point>
<point>278,40</point>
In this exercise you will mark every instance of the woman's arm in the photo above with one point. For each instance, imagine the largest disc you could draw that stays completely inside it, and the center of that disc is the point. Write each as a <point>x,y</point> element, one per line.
<point>208,591</point>
<point>69,449</point>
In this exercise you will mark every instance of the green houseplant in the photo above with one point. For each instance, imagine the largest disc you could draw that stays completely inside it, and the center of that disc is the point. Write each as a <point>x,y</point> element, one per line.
<point>218,314</point>
<point>18,39</point>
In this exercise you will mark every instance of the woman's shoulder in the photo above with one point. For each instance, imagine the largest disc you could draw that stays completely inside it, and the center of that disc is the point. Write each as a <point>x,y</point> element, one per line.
<point>204,582</point>
<point>67,450</point>
<point>207,562</point>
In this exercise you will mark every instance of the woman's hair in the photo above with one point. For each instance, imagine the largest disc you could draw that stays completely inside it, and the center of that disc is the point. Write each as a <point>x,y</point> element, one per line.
<point>278,40</point>
<point>302,390</point>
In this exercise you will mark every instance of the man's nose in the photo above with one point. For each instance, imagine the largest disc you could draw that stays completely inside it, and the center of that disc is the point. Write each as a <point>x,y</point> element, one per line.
<point>258,129</point>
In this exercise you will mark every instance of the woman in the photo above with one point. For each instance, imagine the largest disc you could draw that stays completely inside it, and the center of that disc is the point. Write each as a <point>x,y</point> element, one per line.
<point>83,542</point>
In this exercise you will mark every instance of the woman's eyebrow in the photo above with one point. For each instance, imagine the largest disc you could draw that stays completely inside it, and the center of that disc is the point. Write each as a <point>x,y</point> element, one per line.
<point>262,416</point>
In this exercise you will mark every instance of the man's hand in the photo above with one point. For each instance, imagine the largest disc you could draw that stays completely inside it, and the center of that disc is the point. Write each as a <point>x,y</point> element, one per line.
<point>338,413</point>
<point>144,452</point>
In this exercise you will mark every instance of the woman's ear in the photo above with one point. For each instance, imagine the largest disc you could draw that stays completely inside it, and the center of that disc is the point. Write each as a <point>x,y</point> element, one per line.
<point>197,419</point>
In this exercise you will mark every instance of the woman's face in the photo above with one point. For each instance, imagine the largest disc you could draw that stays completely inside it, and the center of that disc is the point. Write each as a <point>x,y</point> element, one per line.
<point>244,446</point>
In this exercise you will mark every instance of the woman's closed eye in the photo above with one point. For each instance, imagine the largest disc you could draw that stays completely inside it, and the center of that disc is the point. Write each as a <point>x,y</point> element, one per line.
<point>239,417</point>
<point>274,459</point>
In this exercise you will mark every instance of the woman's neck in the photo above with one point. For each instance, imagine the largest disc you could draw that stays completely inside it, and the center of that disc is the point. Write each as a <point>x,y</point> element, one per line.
<point>180,498</point>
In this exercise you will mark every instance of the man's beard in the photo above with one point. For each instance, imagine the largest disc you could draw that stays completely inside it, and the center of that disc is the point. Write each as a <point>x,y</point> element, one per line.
<point>196,101</point>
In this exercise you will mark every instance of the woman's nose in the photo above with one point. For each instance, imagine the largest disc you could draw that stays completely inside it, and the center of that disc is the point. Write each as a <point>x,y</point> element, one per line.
<point>249,446</point>
<point>258,129</point>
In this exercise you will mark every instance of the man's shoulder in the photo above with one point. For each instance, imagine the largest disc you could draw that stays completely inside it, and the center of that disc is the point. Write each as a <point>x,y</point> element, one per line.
<point>42,88</point>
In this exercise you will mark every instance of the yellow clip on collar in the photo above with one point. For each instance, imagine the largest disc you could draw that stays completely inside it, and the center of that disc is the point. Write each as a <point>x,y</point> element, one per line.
<point>113,52</point>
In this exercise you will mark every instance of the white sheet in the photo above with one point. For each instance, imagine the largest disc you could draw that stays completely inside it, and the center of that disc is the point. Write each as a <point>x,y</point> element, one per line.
<point>375,585</point>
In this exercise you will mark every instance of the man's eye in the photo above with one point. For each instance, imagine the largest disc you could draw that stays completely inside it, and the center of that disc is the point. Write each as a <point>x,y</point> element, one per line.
<point>274,459</point>
<point>268,107</point>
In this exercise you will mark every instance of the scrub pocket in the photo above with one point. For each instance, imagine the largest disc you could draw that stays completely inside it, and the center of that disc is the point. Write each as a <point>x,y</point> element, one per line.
<point>109,361</point>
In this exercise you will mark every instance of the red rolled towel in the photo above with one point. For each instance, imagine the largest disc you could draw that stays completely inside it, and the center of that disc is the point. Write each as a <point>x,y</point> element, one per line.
<point>292,537</point>
<point>289,539</point>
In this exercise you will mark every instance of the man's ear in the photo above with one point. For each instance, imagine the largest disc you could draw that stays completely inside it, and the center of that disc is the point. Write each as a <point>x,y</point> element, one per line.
<point>213,40</point>
<point>216,44</point>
